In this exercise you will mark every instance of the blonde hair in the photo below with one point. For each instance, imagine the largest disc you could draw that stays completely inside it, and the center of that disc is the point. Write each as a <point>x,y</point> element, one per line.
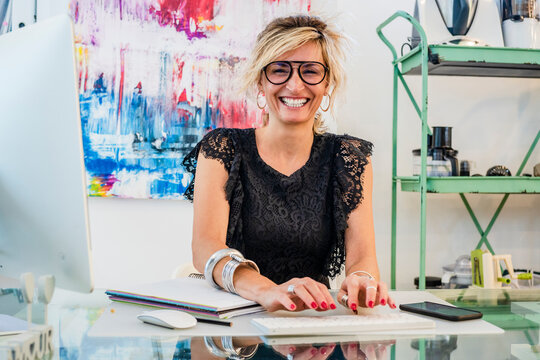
<point>289,33</point>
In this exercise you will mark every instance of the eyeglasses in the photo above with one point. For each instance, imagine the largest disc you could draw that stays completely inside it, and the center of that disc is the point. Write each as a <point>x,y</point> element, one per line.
<point>279,72</point>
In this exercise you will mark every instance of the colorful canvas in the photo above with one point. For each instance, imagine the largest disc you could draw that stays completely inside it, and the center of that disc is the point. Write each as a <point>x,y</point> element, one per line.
<point>5,16</point>
<point>154,77</point>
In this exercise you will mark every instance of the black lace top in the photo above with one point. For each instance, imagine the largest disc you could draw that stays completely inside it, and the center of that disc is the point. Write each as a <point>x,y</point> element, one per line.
<point>291,226</point>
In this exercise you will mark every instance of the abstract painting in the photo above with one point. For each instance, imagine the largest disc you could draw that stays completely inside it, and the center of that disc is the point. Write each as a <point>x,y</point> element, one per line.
<point>154,77</point>
<point>5,16</point>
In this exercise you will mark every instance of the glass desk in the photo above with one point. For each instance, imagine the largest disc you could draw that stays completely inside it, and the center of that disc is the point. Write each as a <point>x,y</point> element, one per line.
<point>515,311</point>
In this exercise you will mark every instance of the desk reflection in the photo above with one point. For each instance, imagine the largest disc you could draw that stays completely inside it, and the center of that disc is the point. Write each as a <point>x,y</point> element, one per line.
<point>284,348</point>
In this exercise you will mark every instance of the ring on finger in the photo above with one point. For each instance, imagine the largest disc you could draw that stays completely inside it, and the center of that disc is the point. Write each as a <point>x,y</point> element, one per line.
<point>290,289</point>
<point>344,299</point>
<point>371,287</point>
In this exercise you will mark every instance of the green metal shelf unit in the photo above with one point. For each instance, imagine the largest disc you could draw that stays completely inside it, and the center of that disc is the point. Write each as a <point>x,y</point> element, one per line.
<point>454,60</point>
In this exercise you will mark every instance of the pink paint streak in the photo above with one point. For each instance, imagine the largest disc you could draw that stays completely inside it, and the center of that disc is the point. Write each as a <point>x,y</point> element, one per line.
<point>233,114</point>
<point>179,13</point>
<point>121,85</point>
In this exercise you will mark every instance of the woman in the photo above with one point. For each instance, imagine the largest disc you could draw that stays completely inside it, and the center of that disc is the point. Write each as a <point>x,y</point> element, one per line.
<point>290,198</point>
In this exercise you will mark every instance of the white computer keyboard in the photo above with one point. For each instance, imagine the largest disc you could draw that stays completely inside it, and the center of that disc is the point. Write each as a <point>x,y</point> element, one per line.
<point>340,324</point>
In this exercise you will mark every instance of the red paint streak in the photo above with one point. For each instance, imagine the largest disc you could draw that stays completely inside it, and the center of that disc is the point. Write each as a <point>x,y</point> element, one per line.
<point>80,76</point>
<point>121,86</point>
<point>178,71</point>
<point>179,13</point>
<point>76,15</point>
<point>84,64</point>
<point>201,9</point>
<point>169,6</point>
<point>180,67</point>
<point>234,115</point>
<point>183,97</point>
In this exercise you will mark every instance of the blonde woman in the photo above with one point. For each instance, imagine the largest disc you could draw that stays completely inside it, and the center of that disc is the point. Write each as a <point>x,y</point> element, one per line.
<point>280,209</point>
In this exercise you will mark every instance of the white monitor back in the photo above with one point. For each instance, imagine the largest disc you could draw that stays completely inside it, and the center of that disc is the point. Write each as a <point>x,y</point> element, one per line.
<point>43,200</point>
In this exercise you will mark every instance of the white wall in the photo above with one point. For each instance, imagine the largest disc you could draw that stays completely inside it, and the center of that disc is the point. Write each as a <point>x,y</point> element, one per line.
<point>139,240</point>
<point>494,120</point>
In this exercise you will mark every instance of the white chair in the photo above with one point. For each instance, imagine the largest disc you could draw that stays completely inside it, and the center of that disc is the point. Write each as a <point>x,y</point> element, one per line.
<point>183,270</point>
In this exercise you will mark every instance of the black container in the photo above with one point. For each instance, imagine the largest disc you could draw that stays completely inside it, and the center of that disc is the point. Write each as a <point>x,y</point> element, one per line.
<point>442,137</point>
<point>432,282</point>
<point>464,168</point>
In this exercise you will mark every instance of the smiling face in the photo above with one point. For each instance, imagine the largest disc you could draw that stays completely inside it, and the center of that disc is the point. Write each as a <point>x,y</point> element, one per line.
<point>295,101</point>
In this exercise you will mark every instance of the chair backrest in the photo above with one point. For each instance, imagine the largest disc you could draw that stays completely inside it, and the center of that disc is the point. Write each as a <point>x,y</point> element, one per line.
<point>183,270</point>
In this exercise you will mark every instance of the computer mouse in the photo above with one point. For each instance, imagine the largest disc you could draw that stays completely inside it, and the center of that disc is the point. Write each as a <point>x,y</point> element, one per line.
<point>172,319</point>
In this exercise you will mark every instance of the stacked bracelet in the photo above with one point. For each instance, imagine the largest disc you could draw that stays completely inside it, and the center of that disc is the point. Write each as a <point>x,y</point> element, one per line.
<point>228,350</point>
<point>363,273</point>
<point>230,267</point>
<point>212,262</point>
<point>227,274</point>
<point>238,353</point>
<point>213,348</point>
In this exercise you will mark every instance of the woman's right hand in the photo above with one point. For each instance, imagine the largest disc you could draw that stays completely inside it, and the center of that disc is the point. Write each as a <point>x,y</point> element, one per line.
<point>307,294</point>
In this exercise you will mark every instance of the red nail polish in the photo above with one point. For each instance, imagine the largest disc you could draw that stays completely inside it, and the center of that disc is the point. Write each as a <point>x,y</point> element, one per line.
<point>314,305</point>
<point>332,306</point>
<point>353,307</point>
<point>323,351</point>
<point>324,305</point>
<point>291,349</point>
<point>383,302</point>
<point>393,306</point>
<point>293,306</point>
<point>370,304</point>
<point>314,351</point>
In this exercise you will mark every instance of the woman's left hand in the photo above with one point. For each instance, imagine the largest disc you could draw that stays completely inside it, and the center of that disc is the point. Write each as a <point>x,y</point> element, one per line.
<point>363,291</point>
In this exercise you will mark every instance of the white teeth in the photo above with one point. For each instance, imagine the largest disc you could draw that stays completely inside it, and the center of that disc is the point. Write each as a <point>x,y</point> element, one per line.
<point>294,102</point>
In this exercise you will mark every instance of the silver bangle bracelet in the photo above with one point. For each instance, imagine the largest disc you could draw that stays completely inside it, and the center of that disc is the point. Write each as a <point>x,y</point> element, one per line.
<point>213,348</point>
<point>212,262</point>
<point>226,342</point>
<point>240,352</point>
<point>227,276</point>
<point>363,273</point>
<point>250,263</point>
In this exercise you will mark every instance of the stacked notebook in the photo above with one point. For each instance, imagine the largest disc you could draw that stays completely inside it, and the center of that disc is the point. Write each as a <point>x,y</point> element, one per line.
<point>193,295</point>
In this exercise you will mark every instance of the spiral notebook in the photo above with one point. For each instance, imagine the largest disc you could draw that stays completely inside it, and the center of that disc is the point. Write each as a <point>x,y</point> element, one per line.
<point>191,294</point>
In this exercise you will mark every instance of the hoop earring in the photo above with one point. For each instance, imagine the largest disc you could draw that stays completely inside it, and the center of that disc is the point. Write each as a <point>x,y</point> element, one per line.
<point>327,107</point>
<point>261,95</point>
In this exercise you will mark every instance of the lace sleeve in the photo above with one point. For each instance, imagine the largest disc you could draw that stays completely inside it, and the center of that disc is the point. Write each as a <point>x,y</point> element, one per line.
<point>351,158</point>
<point>217,145</point>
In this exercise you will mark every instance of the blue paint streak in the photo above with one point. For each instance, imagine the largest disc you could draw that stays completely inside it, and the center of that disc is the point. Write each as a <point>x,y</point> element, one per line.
<point>160,137</point>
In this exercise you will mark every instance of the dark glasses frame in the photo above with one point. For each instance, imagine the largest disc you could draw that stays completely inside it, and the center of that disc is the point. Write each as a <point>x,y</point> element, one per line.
<point>290,63</point>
